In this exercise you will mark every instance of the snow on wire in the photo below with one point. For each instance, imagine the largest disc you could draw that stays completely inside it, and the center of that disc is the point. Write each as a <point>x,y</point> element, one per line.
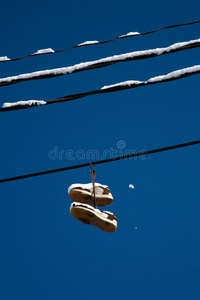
<point>103,62</point>
<point>27,103</point>
<point>89,43</point>
<point>178,74</point>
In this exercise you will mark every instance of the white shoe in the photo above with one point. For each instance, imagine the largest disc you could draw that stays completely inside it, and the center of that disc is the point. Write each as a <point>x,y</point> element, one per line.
<point>84,193</point>
<point>87,214</point>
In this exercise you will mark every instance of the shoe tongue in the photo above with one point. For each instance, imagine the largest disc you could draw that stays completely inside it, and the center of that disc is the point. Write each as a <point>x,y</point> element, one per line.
<point>99,190</point>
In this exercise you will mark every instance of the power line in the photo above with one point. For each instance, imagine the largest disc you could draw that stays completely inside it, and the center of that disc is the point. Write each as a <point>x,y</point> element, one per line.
<point>103,62</point>
<point>89,43</point>
<point>175,75</point>
<point>101,161</point>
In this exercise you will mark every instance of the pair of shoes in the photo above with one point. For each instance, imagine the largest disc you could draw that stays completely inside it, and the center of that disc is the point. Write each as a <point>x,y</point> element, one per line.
<point>82,209</point>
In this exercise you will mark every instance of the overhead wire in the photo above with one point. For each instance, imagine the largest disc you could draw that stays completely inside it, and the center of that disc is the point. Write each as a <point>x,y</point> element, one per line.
<point>130,84</point>
<point>89,43</point>
<point>143,153</point>
<point>103,62</point>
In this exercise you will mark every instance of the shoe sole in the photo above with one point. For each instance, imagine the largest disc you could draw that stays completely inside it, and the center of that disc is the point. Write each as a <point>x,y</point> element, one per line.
<point>83,196</point>
<point>95,217</point>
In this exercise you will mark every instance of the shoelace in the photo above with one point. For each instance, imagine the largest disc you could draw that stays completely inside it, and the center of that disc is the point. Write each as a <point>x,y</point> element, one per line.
<point>93,174</point>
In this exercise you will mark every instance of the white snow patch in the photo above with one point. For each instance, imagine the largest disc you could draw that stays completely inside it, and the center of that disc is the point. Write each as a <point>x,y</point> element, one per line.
<point>156,79</point>
<point>174,74</point>
<point>4,58</point>
<point>43,51</point>
<point>74,204</point>
<point>82,204</point>
<point>87,186</point>
<point>106,211</point>
<point>130,34</point>
<point>131,186</point>
<point>124,83</point>
<point>88,43</point>
<point>22,103</point>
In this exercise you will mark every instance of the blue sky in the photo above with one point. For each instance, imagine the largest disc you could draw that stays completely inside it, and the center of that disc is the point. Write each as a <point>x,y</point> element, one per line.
<point>45,252</point>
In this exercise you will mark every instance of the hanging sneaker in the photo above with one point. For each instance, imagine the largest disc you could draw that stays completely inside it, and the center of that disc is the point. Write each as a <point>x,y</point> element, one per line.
<point>84,193</point>
<point>87,214</point>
